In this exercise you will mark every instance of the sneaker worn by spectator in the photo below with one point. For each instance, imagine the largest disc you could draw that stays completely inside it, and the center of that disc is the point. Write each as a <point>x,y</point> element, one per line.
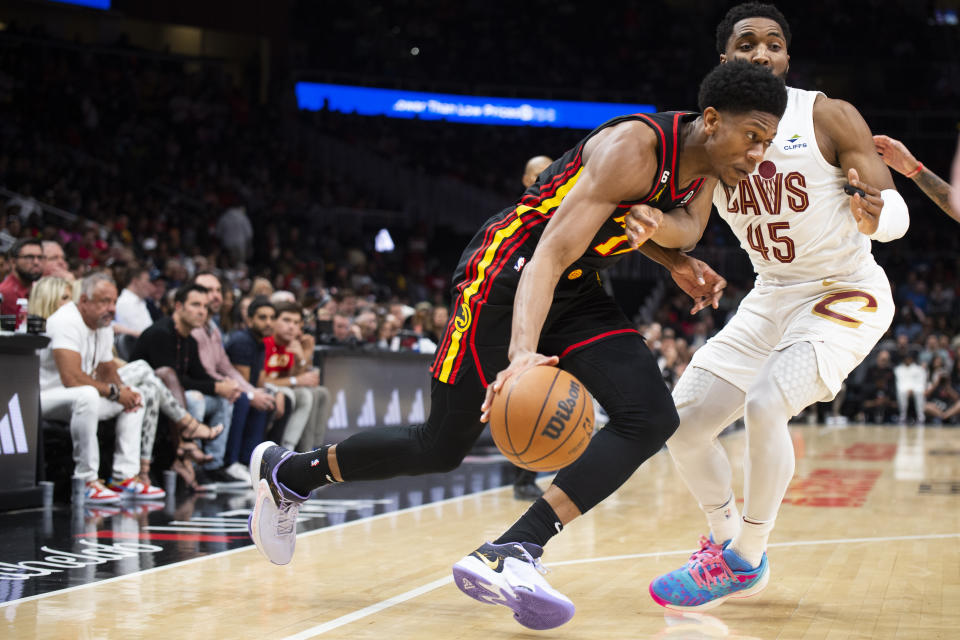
<point>97,493</point>
<point>134,488</point>
<point>237,471</point>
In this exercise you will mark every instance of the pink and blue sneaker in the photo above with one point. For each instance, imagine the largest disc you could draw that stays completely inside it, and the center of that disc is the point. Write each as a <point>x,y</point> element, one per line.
<point>711,575</point>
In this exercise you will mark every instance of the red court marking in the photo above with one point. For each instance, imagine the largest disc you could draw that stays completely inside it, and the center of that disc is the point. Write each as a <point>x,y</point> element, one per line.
<point>870,451</point>
<point>832,488</point>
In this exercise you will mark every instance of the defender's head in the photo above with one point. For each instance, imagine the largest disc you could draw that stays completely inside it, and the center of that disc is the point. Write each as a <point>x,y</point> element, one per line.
<point>756,33</point>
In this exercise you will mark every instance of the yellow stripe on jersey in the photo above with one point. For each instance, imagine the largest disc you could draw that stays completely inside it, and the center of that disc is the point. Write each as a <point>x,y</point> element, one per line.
<point>551,203</point>
<point>461,327</point>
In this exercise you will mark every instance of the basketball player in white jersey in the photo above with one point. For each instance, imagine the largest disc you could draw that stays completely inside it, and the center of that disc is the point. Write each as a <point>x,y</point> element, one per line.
<point>819,305</point>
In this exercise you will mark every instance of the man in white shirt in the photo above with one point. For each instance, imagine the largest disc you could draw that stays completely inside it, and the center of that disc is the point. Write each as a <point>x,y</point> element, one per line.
<point>132,314</point>
<point>911,381</point>
<point>79,383</point>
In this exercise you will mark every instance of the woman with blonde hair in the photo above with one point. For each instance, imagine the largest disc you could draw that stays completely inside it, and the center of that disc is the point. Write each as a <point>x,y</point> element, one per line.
<point>48,295</point>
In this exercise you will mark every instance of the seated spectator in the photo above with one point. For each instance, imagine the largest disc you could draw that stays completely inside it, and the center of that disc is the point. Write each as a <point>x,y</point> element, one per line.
<point>247,353</point>
<point>253,404</point>
<point>133,315</point>
<point>167,343</point>
<point>55,261</point>
<point>943,399</point>
<point>366,324</point>
<point>879,390</point>
<point>911,378</point>
<point>288,365</point>
<point>49,294</point>
<point>80,384</point>
<point>388,335</point>
<point>343,332</point>
<point>27,258</point>
<point>439,319</point>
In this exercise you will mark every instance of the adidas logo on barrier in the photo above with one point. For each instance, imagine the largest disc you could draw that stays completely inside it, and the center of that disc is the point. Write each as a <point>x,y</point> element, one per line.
<point>392,417</point>
<point>13,435</point>
<point>368,413</point>
<point>416,409</point>
<point>338,415</point>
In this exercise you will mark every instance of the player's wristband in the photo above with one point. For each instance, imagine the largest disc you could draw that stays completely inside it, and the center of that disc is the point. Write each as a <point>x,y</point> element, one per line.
<point>894,217</point>
<point>917,171</point>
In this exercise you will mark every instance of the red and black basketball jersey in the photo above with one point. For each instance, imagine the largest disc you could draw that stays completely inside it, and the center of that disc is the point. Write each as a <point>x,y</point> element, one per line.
<point>490,266</point>
<point>545,196</point>
<point>541,200</point>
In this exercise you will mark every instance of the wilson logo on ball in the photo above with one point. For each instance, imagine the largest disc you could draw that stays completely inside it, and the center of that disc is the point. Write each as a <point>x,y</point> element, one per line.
<point>558,421</point>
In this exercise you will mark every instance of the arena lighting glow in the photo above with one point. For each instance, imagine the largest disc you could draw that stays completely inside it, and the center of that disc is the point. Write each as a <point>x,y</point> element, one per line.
<point>368,101</point>
<point>93,4</point>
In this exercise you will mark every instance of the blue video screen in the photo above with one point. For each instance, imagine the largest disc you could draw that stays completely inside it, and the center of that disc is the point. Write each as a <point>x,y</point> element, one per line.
<point>93,4</point>
<point>369,101</point>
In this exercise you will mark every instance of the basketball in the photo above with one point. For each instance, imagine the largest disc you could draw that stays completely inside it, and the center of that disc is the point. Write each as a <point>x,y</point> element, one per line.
<point>542,419</point>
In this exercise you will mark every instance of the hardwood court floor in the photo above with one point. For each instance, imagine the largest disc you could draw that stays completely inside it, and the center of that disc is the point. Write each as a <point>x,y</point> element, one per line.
<point>865,547</point>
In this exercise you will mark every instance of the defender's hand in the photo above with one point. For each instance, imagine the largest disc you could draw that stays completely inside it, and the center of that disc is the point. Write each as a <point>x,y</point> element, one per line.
<point>895,154</point>
<point>641,223</point>
<point>518,365</point>
<point>865,210</point>
<point>699,281</point>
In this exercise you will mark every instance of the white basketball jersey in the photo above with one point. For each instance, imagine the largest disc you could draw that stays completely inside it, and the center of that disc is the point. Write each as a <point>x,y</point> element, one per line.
<point>791,215</point>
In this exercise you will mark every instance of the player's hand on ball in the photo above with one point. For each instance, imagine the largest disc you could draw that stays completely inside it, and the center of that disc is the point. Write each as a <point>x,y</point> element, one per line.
<point>699,281</point>
<point>865,210</point>
<point>518,364</point>
<point>641,223</point>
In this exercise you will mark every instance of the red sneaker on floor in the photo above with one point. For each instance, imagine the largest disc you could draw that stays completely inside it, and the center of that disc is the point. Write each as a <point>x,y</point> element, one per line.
<point>133,487</point>
<point>97,493</point>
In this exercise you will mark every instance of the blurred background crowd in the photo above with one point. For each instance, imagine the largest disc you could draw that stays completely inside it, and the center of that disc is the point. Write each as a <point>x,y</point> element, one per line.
<point>155,143</point>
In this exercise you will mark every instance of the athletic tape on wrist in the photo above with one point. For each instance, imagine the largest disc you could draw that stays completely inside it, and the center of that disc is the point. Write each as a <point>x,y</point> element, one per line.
<point>894,218</point>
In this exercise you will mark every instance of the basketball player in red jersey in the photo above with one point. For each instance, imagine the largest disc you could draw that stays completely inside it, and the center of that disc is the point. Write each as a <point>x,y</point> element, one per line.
<point>819,306</point>
<point>528,292</point>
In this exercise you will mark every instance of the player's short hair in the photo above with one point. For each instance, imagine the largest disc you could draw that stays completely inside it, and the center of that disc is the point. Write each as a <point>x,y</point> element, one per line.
<point>746,10</point>
<point>739,87</point>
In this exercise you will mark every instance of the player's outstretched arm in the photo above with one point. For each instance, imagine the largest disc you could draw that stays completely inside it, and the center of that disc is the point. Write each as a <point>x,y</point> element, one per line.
<point>845,140</point>
<point>898,157</point>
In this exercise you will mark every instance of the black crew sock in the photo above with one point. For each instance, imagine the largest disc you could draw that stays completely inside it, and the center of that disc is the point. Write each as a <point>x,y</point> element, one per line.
<point>304,472</point>
<point>537,525</point>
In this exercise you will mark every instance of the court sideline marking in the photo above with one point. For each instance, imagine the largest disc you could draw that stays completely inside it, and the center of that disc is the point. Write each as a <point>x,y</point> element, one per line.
<point>221,554</point>
<point>320,629</point>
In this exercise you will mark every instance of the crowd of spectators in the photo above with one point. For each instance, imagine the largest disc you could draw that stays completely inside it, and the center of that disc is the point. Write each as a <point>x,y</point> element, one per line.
<point>161,179</point>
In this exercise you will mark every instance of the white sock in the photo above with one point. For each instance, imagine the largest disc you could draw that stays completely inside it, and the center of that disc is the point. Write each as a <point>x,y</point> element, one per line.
<point>751,541</point>
<point>724,520</point>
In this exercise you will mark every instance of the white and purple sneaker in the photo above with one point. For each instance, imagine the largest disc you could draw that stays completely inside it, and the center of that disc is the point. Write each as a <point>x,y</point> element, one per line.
<point>511,574</point>
<point>273,522</point>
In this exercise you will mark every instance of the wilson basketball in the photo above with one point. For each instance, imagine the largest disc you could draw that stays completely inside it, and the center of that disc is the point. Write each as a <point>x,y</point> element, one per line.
<point>542,419</point>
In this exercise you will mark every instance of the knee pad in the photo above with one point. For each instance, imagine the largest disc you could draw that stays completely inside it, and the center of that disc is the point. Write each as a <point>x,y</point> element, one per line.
<point>692,387</point>
<point>797,375</point>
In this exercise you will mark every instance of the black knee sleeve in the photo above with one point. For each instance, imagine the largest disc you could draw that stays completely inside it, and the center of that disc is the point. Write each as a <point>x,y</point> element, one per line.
<point>614,453</point>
